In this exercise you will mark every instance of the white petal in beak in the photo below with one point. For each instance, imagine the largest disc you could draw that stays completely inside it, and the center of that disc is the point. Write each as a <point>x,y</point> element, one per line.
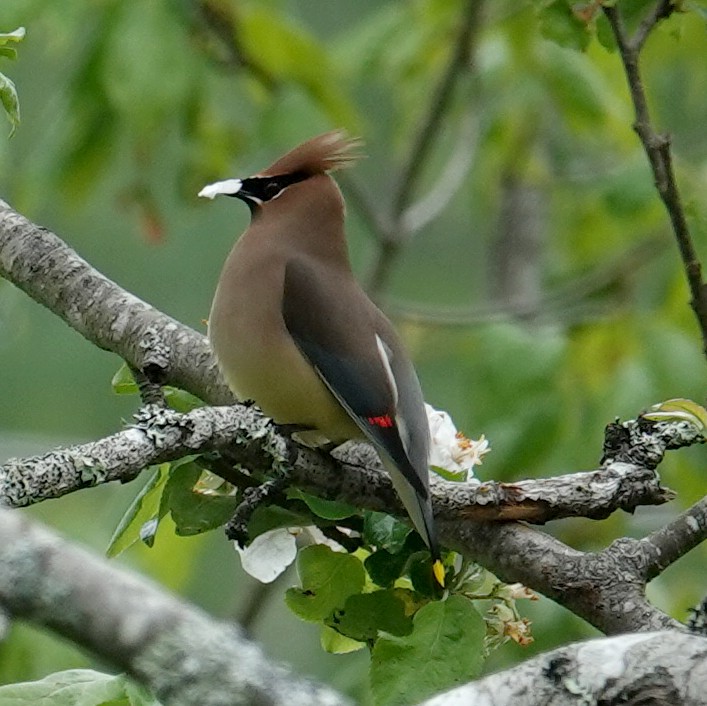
<point>229,187</point>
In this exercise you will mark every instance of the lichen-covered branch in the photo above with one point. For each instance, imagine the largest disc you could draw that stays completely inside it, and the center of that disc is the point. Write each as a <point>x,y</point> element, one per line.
<point>594,586</point>
<point>45,268</point>
<point>355,475</point>
<point>182,654</point>
<point>652,668</point>
<point>185,657</point>
<point>667,544</point>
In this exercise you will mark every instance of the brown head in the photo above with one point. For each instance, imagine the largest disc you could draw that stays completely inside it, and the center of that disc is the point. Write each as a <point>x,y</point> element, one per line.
<point>316,157</point>
<point>295,200</point>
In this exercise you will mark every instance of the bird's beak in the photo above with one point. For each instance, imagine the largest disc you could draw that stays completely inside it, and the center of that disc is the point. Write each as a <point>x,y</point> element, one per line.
<point>229,187</point>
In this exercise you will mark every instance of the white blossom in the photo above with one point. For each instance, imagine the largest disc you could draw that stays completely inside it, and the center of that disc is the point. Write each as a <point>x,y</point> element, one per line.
<point>270,553</point>
<point>449,448</point>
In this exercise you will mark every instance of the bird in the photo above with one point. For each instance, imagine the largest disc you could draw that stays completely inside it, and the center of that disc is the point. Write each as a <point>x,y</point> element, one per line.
<point>292,329</point>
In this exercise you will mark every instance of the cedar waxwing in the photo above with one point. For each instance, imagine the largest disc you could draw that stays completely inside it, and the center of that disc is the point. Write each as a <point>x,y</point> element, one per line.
<point>293,331</point>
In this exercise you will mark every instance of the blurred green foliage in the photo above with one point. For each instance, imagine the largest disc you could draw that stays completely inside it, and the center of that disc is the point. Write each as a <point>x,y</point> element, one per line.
<point>130,107</point>
<point>8,92</point>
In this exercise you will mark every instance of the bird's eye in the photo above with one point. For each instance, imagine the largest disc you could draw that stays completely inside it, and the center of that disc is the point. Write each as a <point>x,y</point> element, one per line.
<point>272,189</point>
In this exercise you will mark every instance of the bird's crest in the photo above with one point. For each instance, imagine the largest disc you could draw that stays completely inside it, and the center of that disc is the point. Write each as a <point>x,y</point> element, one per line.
<point>324,153</point>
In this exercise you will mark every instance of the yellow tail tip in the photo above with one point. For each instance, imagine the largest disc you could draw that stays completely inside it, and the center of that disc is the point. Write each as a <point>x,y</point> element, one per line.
<point>438,571</point>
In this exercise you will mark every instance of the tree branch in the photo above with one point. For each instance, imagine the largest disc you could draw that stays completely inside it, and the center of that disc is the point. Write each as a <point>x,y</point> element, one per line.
<point>438,105</point>
<point>183,655</point>
<point>395,235</point>
<point>667,544</point>
<point>512,551</point>
<point>563,303</point>
<point>250,440</point>
<point>657,148</point>
<point>653,668</point>
<point>594,586</point>
<point>45,268</point>
<point>186,657</point>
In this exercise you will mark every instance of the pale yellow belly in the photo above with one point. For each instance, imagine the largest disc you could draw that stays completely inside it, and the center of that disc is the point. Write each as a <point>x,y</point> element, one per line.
<point>269,369</point>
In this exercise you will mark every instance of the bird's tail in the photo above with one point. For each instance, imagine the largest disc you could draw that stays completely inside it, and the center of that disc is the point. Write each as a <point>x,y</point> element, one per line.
<point>420,510</point>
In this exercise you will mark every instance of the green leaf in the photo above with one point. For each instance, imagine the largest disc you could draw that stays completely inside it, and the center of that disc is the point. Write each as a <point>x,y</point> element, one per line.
<point>8,97</point>
<point>123,382</point>
<point>443,651</point>
<point>421,574</point>
<point>269,517</point>
<point>337,644</point>
<point>12,37</point>
<point>77,687</point>
<point>679,409</point>
<point>328,578</point>
<point>146,43</point>
<point>385,568</point>
<point>559,24</point>
<point>144,508</point>
<point>284,53</point>
<point>384,531</point>
<point>327,509</point>
<point>452,476</point>
<point>181,400</point>
<point>365,615</point>
<point>194,513</point>
<point>605,35</point>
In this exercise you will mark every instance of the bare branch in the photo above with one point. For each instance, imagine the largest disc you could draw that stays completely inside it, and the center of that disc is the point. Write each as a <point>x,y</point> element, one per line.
<point>570,301</point>
<point>667,544</point>
<point>607,589</point>
<point>439,103</point>
<point>440,99</point>
<point>661,10</point>
<point>50,272</point>
<point>419,214</point>
<point>655,668</point>
<point>183,655</point>
<point>657,148</point>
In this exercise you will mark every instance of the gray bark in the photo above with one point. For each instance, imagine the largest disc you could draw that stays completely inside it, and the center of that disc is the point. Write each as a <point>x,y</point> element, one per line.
<point>182,654</point>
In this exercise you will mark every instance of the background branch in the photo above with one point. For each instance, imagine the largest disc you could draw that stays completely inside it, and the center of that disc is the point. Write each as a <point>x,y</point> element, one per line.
<point>392,239</point>
<point>184,656</point>
<point>187,658</point>
<point>657,148</point>
<point>49,271</point>
<point>586,295</point>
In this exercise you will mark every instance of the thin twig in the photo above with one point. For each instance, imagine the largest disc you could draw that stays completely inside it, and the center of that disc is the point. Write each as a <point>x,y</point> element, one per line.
<point>660,11</point>
<point>220,21</point>
<point>569,302</point>
<point>256,601</point>
<point>438,105</point>
<point>657,148</point>
<point>365,206</point>
<point>396,235</point>
<point>438,196</point>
